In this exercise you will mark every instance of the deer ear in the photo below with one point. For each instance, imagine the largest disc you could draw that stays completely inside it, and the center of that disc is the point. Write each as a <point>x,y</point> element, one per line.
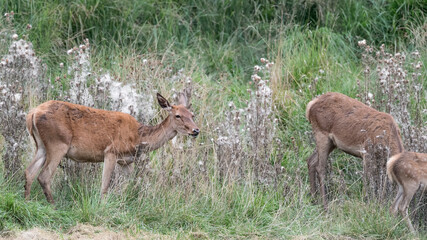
<point>184,97</point>
<point>163,102</point>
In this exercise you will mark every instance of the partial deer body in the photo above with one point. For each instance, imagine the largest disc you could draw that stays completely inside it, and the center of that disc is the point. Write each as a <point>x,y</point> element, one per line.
<point>339,121</point>
<point>86,134</point>
<point>409,171</point>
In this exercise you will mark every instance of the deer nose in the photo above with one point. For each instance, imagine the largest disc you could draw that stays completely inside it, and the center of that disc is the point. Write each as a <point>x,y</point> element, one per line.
<point>196,132</point>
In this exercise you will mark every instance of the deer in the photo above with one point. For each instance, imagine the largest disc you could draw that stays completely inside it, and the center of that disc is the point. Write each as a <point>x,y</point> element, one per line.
<point>409,171</point>
<point>339,121</point>
<point>84,134</point>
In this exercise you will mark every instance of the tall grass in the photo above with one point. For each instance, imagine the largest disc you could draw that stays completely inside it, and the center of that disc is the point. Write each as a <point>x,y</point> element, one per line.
<point>223,34</point>
<point>157,46</point>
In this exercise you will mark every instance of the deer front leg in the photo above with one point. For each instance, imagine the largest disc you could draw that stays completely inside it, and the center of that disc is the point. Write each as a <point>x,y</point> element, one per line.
<point>109,164</point>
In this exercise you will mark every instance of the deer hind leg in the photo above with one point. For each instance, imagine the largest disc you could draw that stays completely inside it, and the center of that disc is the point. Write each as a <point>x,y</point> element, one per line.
<point>399,197</point>
<point>409,190</point>
<point>109,165</point>
<point>324,147</point>
<point>54,155</point>
<point>312,162</point>
<point>34,167</point>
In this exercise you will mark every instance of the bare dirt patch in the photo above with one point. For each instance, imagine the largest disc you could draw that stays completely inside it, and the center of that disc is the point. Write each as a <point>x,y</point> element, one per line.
<point>80,232</point>
<point>35,233</point>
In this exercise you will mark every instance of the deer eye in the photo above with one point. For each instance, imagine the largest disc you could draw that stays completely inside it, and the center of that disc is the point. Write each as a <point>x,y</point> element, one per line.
<point>177,116</point>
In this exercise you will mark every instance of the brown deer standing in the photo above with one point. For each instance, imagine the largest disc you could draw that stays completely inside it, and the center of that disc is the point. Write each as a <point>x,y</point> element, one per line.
<point>86,134</point>
<point>409,171</point>
<point>339,121</point>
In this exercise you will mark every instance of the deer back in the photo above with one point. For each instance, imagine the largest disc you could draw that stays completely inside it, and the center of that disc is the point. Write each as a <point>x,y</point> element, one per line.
<point>350,123</point>
<point>92,131</point>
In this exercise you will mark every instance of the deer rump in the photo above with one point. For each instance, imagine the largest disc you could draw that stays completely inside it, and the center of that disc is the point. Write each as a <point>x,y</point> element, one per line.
<point>409,171</point>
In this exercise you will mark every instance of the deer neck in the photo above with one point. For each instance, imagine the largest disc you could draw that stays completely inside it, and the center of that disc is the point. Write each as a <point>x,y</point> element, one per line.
<point>153,137</point>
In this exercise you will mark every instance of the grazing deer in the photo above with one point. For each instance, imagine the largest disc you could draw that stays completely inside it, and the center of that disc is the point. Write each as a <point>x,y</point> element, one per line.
<point>409,171</point>
<point>342,122</point>
<point>86,134</point>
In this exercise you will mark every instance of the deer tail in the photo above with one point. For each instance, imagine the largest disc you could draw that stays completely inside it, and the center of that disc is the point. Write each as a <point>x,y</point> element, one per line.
<point>390,167</point>
<point>30,124</point>
<point>308,108</point>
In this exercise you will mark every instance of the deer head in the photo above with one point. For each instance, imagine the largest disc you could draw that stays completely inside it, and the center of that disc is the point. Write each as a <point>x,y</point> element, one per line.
<point>180,115</point>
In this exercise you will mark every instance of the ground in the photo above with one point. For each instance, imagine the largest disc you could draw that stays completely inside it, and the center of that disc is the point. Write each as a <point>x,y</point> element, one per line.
<point>79,232</point>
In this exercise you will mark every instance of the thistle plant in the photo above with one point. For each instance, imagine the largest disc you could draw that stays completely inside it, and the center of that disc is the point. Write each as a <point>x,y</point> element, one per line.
<point>21,79</point>
<point>246,137</point>
<point>393,83</point>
